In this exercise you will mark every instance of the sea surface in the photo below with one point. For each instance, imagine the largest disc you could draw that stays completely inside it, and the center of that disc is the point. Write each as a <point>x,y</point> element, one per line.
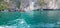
<point>32,19</point>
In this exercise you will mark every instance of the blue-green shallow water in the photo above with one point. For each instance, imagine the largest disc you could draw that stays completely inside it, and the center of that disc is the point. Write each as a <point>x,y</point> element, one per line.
<point>6,17</point>
<point>41,16</point>
<point>33,19</point>
<point>39,19</point>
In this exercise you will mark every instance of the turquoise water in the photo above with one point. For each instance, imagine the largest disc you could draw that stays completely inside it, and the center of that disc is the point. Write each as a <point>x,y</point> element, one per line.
<point>33,19</point>
<point>38,19</point>
<point>6,17</point>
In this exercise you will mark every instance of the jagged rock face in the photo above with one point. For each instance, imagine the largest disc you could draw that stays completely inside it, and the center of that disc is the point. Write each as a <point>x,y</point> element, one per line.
<point>58,3</point>
<point>53,4</point>
<point>24,3</point>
